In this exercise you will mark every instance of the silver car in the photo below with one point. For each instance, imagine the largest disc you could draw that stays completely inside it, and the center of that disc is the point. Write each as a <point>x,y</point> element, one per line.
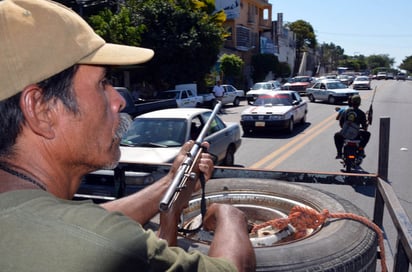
<point>330,90</point>
<point>157,137</point>
<point>362,82</point>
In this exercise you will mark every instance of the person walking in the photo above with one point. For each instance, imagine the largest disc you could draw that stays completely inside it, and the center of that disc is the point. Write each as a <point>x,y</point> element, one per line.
<point>219,91</point>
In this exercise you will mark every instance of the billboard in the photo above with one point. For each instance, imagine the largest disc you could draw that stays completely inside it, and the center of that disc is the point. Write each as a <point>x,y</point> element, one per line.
<point>230,7</point>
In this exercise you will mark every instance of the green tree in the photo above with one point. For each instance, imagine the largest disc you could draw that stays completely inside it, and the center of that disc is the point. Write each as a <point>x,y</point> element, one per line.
<point>185,35</point>
<point>231,66</point>
<point>305,35</point>
<point>116,28</point>
<point>284,70</point>
<point>305,39</point>
<point>263,64</point>
<point>377,61</point>
<point>355,63</point>
<point>330,56</point>
<point>407,64</point>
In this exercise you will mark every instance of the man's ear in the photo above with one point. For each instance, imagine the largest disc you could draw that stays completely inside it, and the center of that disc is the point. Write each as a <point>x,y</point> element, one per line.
<point>38,114</point>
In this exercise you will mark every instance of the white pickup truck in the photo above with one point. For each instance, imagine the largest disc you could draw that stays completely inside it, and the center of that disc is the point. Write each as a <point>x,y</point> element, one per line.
<point>187,97</point>
<point>232,95</point>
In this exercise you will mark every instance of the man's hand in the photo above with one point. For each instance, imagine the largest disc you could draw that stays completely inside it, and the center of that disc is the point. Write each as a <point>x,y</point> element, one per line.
<point>205,164</point>
<point>231,236</point>
<point>169,219</point>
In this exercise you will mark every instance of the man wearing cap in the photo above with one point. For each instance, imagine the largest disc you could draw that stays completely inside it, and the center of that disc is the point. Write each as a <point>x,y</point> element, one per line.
<point>353,114</point>
<point>60,119</point>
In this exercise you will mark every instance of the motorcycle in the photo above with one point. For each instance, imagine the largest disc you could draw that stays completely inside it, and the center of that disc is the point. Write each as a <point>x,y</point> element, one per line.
<point>352,156</point>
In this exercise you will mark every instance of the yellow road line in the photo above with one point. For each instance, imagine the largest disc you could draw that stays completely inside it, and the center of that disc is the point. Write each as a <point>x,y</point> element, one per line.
<point>298,146</point>
<point>295,144</point>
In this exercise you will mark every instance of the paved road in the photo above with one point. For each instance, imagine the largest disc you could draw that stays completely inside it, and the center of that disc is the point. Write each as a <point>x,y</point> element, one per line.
<point>311,147</point>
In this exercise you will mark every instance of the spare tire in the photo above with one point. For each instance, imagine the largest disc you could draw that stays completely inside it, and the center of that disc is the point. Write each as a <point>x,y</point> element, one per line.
<point>338,245</point>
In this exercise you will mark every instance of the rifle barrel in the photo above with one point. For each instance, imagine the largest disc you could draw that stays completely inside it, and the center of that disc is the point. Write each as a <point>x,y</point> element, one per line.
<point>180,178</point>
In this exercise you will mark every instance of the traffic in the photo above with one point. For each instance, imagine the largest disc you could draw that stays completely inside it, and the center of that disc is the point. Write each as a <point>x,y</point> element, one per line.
<point>309,150</point>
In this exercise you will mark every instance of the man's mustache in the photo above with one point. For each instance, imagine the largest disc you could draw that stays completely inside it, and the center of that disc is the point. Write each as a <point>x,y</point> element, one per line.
<point>125,121</point>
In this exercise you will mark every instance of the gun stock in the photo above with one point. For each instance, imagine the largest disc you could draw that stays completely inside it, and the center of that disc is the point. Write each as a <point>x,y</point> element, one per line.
<point>185,172</point>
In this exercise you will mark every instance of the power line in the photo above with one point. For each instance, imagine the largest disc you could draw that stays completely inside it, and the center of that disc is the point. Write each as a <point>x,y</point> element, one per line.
<point>367,35</point>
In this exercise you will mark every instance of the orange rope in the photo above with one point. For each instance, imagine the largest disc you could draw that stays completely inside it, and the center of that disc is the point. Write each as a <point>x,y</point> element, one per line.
<point>302,218</point>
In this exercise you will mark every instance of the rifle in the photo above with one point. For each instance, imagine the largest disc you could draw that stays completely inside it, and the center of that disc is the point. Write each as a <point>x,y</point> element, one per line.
<point>370,111</point>
<point>186,172</point>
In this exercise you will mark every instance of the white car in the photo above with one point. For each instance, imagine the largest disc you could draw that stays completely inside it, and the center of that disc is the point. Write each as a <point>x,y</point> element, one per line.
<point>232,95</point>
<point>330,90</point>
<point>157,137</point>
<point>260,88</point>
<point>361,82</point>
<point>274,111</point>
<point>185,98</point>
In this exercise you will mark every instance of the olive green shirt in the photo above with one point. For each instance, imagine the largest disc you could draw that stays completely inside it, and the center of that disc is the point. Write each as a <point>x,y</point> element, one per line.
<point>39,232</point>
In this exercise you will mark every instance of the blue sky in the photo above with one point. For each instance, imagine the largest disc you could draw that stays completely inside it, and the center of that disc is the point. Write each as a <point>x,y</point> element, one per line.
<point>366,27</point>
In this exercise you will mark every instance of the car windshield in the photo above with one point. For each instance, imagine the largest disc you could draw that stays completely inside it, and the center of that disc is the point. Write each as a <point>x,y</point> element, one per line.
<point>151,132</point>
<point>336,85</point>
<point>259,86</point>
<point>277,100</point>
<point>362,79</point>
<point>299,79</point>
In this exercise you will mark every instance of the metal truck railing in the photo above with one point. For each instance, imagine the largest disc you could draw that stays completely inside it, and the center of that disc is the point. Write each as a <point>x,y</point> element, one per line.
<point>385,197</point>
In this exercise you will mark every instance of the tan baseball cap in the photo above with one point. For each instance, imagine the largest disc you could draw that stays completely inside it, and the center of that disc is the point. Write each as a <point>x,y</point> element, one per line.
<point>40,38</point>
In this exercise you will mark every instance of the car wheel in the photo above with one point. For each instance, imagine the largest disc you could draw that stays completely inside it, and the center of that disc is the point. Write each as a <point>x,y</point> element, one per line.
<point>290,125</point>
<point>331,99</point>
<point>338,245</point>
<point>311,98</point>
<point>229,159</point>
<point>236,102</point>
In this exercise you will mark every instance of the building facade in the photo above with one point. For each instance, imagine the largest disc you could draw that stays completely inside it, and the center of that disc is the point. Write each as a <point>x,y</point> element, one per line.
<point>247,21</point>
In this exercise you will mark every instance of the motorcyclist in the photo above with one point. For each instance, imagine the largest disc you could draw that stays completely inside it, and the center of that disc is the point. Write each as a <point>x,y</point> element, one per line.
<point>355,115</point>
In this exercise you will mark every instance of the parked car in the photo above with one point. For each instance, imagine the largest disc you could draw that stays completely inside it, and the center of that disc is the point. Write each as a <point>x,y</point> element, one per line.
<point>258,89</point>
<point>330,90</point>
<point>381,75</point>
<point>274,111</point>
<point>361,82</point>
<point>140,106</point>
<point>157,137</point>
<point>401,76</point>
<point>346,79</point>
<point>276,84</point>
<point>299,84</point>
<point>185,98</point>
<point>390,76</point>
<point>232,95</point>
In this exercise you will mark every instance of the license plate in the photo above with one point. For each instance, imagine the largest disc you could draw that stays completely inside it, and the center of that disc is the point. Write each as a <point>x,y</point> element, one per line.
<point>259,124</point>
